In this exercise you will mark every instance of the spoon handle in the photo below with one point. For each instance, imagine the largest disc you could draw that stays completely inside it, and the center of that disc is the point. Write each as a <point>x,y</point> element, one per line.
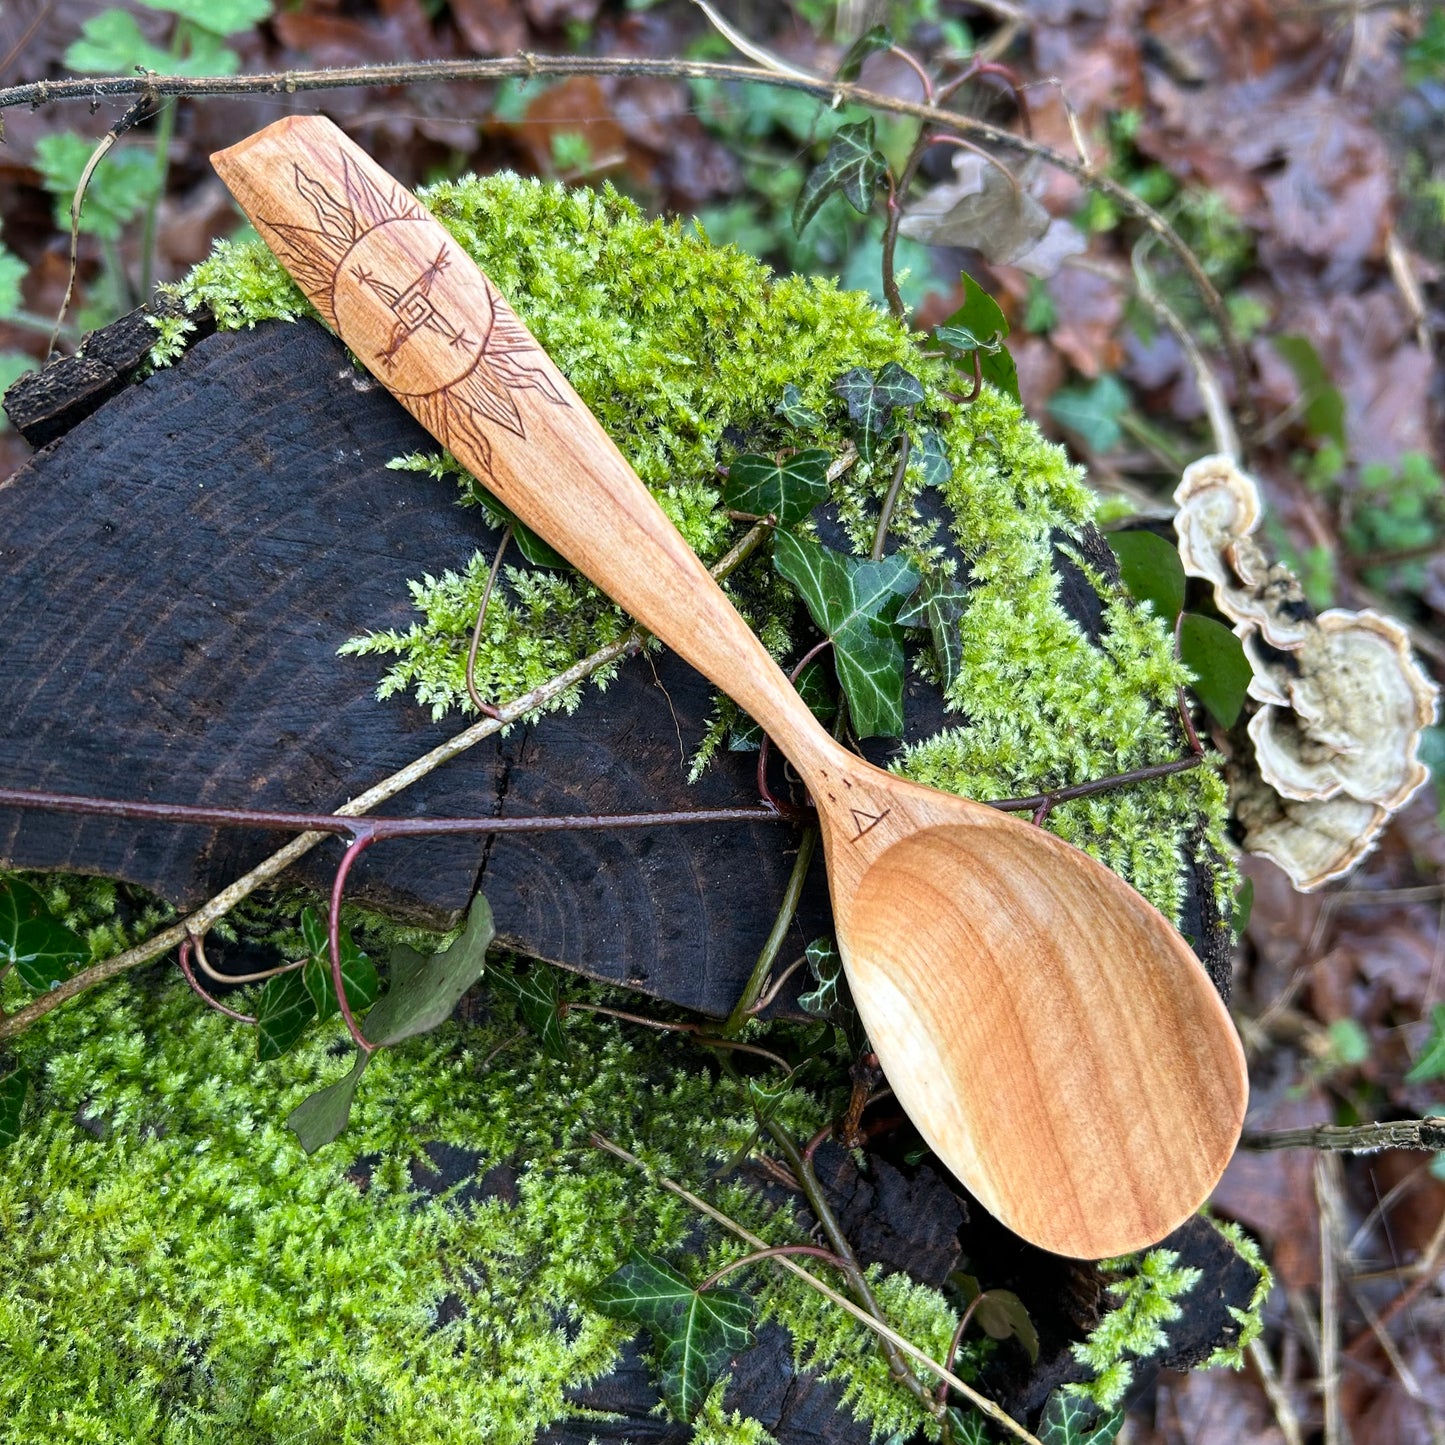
<point>435,331</point>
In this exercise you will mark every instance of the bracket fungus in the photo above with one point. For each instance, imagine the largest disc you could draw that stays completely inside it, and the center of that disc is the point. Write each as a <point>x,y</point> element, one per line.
<point>1342,701</point>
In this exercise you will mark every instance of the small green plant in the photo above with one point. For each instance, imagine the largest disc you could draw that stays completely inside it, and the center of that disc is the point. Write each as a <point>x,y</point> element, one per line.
<point>130,181</point>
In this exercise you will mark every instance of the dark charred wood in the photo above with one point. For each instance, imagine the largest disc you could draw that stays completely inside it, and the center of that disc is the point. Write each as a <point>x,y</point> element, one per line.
<point>44,405</point>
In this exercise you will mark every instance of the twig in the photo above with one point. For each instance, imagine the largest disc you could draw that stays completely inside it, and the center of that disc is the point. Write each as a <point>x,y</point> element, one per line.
<point>1284,1411</point>
<point>885,513</point>
<point>743,1009</point>
<point>228,898</point>
<point>485,709</point>
<point>1354,1138</point>
<point>883,1331</point>
<point>1221,424</point>
<point>801,1164</point>
<point>1327,1192</point>
<point>183,957</point>
<point>775,1252</point>
<point>529,65</point>
<point>776,987</point>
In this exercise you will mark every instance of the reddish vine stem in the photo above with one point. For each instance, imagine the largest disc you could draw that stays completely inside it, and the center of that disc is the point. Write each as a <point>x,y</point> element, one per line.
<point>773,1252</point>
<point>994,69</point>
<point>485,708</point>
<point>184,959</point>
<point>897,195</point>
<point>783,809</point>
<point>366,825</point>
<point>957,1340</point>
<point>354,850</point>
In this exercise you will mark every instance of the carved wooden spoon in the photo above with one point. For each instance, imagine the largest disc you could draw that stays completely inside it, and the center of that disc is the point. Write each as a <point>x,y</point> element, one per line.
<point>1049,1033</point>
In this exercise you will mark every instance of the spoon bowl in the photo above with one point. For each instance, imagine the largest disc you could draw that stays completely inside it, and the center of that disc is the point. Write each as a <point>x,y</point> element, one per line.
<point>1049,1033</point>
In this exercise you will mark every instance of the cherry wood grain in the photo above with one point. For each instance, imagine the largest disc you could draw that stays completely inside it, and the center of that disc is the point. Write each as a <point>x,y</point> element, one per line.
<point>1049,1033</point>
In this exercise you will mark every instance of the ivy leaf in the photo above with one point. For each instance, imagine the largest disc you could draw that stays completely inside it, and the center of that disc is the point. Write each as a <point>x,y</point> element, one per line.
<point>855,602</point>
<point>540,1005</point>
<point>696,1331</point>
<point>930,456</point>
<point>968,1429</point>
<point>872,400</point>
<point>1431,1063</point>
<point>1070,1419</point>
<point>869,43</point>
<point>853,165</point>
<point>1151,571</point>
<point>220,17</point>
<point>1221,670</point>
<point>39,946</point>
<point>424,989</point>
<point>829,999</point>
<point>826,1000</point>
<point>981,319</point>
<point>282,1015</point>
<point>791,408</point>
<point>13,1088</point>
<point>1092,412</point>
<point>321,1116</point>
<point>358,972</point>
<point>787,490</point>
<point>813,687</point>
<point>938,605</point>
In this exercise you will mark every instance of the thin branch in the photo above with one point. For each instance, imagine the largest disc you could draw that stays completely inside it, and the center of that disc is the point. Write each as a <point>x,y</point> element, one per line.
<point>885,513</point>
<point>528,65</point>
<point>787,910</point>
<point>776,987</point>
<point>1425,1134</point>
<point>1328,1190</point>
<point>354,850</point>
<point>776,1251</point>
<point>842,1301</point>
<point>183,957</point>
<point>485,709</point>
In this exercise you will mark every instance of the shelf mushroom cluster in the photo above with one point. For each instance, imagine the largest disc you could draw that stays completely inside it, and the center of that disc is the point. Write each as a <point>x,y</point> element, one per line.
<point>1342,699</point>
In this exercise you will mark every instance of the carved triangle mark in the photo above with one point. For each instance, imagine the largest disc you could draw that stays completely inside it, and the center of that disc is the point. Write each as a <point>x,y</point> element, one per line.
<point>867,821</point>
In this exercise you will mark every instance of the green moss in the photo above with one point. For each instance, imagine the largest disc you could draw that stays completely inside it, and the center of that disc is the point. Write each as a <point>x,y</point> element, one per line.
<point>683,350</point>
<point>178,1271</point>
<point>1251,1318</point>
<point>1148,1290</point>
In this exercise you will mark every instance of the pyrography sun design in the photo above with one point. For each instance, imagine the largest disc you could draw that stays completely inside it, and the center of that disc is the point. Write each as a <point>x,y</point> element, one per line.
<point>447,322</point>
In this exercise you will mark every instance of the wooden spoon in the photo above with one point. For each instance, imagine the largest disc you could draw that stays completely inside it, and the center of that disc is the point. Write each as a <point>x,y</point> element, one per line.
<point>1049,1033</point>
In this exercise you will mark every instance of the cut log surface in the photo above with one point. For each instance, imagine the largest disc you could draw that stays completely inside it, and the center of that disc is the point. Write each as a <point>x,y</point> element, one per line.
<point>176,575</point>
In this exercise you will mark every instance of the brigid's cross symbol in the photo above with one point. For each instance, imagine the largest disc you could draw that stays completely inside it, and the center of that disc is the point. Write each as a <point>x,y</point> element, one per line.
<point>413,309</point>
